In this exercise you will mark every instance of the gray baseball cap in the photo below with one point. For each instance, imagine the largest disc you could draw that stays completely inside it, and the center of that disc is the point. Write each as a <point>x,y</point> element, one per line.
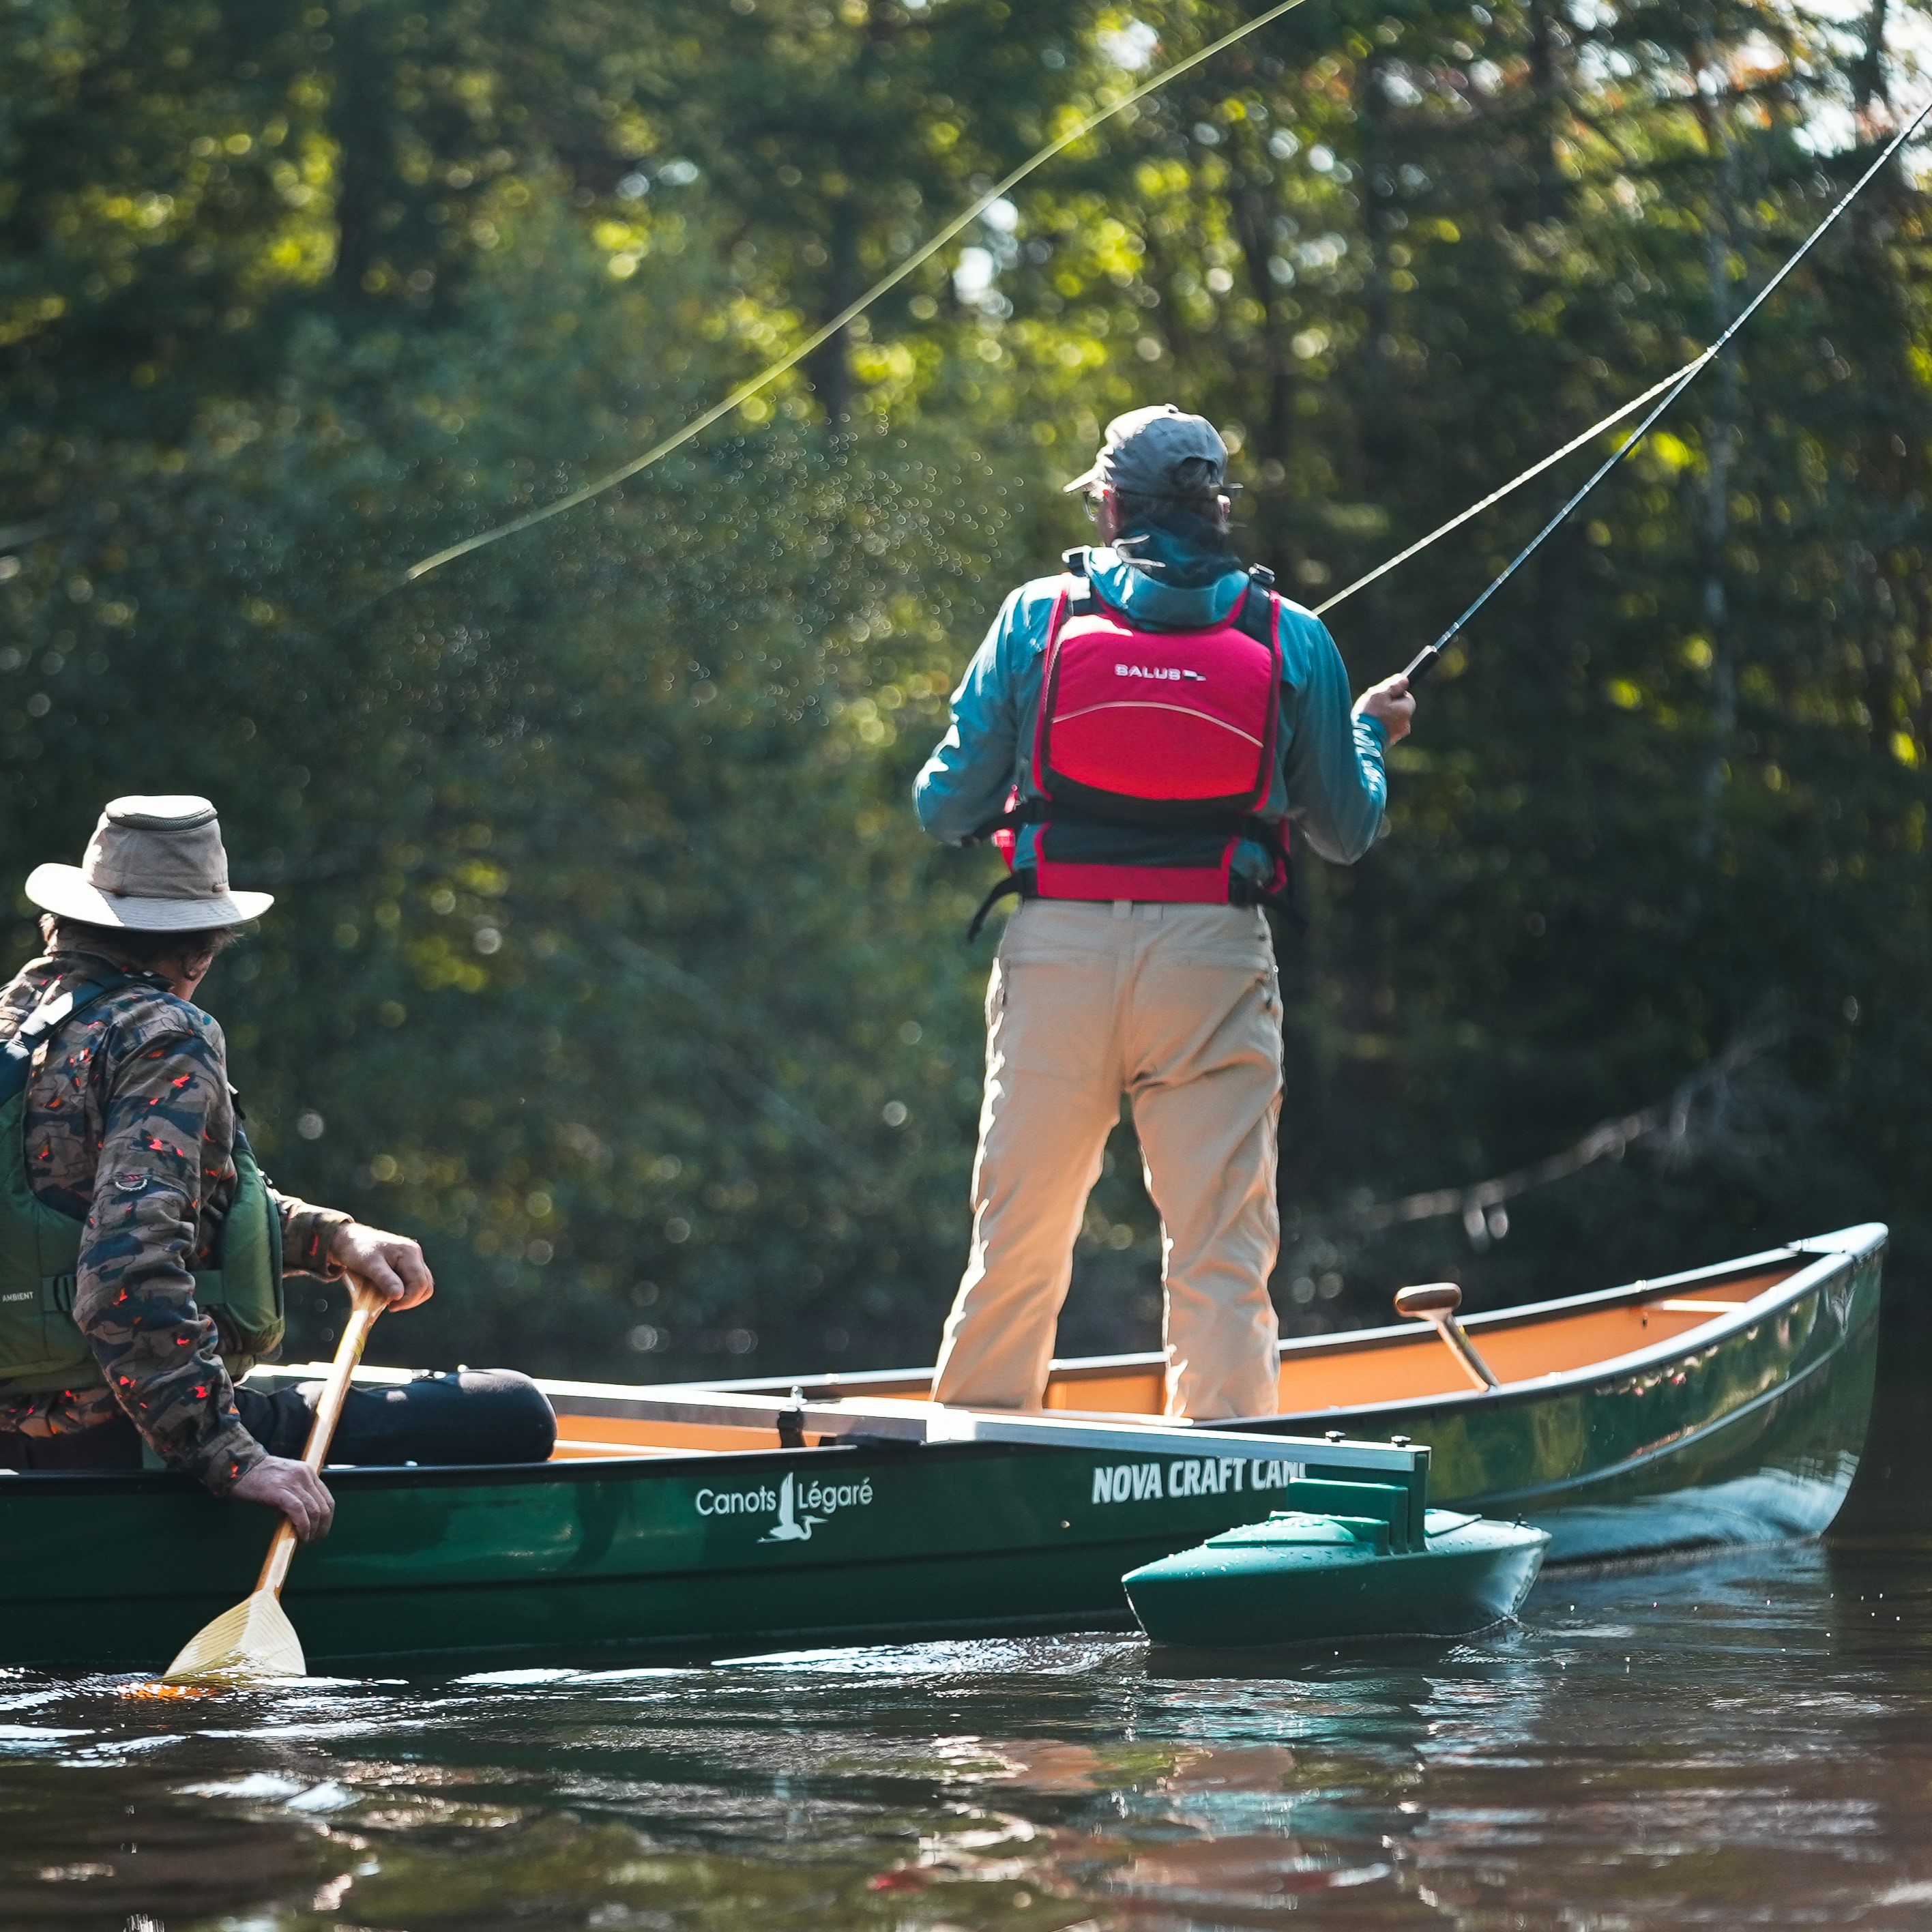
<point>1157,452</point>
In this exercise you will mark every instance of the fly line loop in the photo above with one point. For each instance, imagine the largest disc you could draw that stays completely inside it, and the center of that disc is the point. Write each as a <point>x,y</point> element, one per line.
<point>746,391</point>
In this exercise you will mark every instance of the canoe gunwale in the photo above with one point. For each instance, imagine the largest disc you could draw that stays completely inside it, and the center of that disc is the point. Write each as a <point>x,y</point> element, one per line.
<point>1636,1293</point>
<point>749,1463</point>
<point>1849,1245</point>
<point>927,1424</point>
<point>1827,1263</point>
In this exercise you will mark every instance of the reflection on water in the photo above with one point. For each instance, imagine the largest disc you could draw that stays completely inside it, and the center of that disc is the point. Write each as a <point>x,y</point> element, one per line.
<point>1744,1739</point>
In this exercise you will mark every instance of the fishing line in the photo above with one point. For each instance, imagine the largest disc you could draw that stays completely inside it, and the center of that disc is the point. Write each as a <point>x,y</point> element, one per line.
<point>746,391</point>
<point>1425,659</point>
<point>1496,496</point>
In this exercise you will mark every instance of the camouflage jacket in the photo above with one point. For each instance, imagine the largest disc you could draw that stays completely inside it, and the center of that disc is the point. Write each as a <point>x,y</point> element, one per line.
<point>136,1086</point>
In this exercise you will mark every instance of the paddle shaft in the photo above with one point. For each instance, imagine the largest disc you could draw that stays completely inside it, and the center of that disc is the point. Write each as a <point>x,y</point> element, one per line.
<point>365,1304</point>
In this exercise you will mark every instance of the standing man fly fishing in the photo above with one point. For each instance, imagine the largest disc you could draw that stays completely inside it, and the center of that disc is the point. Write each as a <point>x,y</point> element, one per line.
<point>1138,736</point>
<point>142,1251</point>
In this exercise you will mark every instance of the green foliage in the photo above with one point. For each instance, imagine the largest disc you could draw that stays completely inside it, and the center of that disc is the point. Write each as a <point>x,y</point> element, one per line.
<point>609,958</point>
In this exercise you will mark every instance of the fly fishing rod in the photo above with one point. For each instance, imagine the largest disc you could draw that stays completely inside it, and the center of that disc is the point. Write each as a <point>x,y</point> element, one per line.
<point>1426,659</point>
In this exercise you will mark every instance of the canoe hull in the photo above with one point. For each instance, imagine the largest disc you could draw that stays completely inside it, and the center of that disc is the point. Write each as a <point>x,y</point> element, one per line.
<point>1751,1437</point>
<point>577,1561</point>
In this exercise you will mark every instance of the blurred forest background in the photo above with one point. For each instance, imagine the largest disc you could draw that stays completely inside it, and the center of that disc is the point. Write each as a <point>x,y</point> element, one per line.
<point>609,958</point>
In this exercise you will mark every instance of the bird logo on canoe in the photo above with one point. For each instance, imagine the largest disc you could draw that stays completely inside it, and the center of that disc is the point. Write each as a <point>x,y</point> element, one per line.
<point>791,1528</point>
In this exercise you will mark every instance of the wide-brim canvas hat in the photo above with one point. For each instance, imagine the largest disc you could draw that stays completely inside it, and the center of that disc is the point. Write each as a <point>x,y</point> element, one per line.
<point>154,865</point>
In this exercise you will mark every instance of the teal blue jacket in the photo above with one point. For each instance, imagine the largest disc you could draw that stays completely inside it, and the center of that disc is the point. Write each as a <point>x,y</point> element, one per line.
<point>1330,783</point>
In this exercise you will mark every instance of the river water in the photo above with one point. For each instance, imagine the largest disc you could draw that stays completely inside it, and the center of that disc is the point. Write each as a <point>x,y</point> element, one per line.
<point>1741,1740</point>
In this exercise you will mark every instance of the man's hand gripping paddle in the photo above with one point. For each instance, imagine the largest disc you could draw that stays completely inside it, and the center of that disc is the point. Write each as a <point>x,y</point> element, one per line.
<point>255,1639</point>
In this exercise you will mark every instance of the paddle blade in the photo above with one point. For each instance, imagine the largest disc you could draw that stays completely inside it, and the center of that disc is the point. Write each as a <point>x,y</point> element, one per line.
<point>254,1639</point>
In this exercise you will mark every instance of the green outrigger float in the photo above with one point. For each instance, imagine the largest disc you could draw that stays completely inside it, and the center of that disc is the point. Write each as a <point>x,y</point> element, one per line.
<point>1302,1577</point>
<point>1723,1406</point>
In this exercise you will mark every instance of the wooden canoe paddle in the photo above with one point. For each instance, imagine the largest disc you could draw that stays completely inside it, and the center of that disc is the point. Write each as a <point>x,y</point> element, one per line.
<point>255,1639</point>
<point>1436,1302</point>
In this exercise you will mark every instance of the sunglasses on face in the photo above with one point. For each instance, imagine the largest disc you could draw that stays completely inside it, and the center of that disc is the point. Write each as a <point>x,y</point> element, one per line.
<point>1228,493</point>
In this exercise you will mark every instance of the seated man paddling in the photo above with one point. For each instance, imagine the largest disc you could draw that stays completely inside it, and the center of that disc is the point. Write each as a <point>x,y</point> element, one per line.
<point>1138,734</point>
<point>142,1251</point>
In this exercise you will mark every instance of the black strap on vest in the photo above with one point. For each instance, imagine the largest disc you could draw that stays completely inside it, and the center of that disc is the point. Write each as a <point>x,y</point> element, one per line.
<point>1256,616</point>
<point>1019,885</point>
<point>16,1055</point>
<point>1243,891</point>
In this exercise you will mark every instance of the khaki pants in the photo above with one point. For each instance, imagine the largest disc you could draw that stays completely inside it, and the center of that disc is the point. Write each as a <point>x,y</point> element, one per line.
<point>1178,1007</point>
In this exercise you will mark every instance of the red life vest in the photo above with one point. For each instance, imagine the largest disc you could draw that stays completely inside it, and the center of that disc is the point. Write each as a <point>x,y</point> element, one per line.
<point>1152,753</point>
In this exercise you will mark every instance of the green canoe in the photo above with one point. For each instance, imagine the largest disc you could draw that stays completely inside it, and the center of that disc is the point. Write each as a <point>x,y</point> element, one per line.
<point>722,1519</point>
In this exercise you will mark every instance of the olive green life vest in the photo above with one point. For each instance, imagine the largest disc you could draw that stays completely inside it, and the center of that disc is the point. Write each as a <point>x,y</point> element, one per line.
<point>41,1347</point>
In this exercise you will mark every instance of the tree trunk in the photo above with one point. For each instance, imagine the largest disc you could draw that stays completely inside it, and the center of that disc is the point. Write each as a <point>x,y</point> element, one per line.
<point>1546,94</point>
<point>1720,431</point>
<point>1384,432</point>
<point>1274,421</point>
<point>1554,583</point>
<point>1868,82</point>
<point>829,366</point>
<point>359,121</point>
